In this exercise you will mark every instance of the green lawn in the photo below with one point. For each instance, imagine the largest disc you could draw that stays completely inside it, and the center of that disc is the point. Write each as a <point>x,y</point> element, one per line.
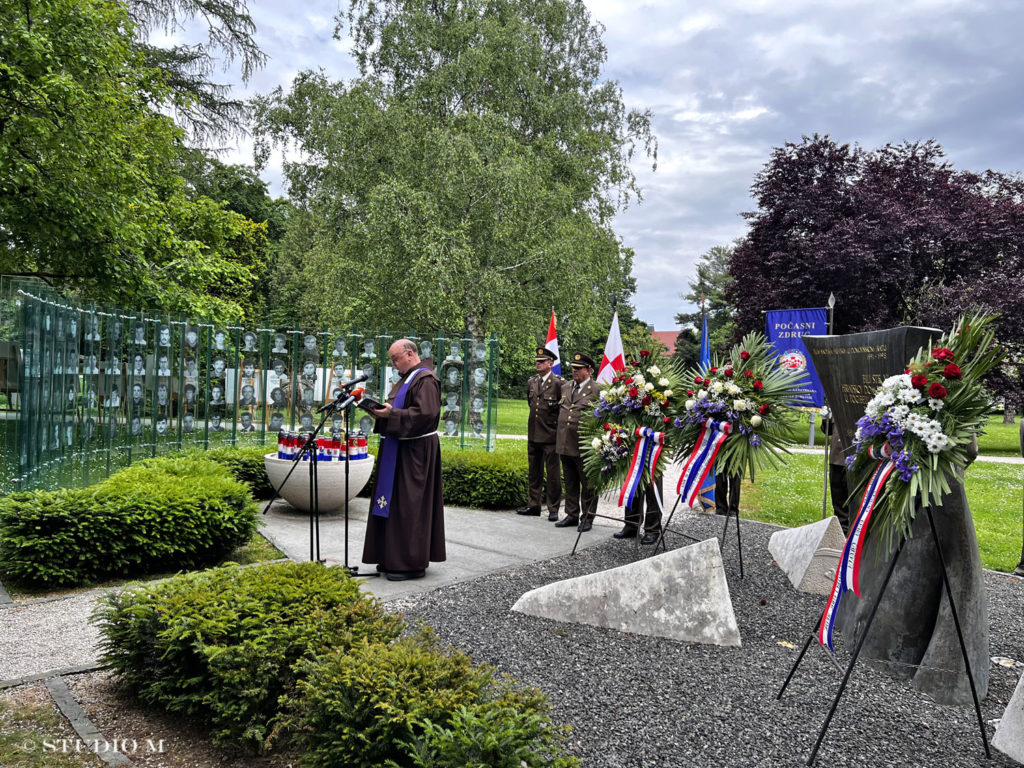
<point>792,496</point>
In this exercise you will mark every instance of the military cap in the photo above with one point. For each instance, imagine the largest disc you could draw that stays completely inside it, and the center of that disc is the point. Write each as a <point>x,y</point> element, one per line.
<point>544,354</point>
<point>582,360</point>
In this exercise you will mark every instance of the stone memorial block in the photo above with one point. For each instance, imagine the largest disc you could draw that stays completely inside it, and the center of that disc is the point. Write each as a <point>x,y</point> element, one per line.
<point>809,554</point>
<point>1009,738</point>
<point>681,595</point>
<point>913,625</point>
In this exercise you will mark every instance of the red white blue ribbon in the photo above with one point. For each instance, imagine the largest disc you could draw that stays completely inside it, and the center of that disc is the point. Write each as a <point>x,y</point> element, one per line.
<point>848,573</point>
<point>702,459</point>
<point>645,458</point>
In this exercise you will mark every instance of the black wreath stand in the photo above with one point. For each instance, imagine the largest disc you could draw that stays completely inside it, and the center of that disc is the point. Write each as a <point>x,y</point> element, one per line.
<point>864,634</point>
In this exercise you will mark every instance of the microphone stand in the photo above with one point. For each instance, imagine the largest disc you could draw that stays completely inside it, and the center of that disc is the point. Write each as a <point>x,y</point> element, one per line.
<point>314,492</point>
<point>353,570</point>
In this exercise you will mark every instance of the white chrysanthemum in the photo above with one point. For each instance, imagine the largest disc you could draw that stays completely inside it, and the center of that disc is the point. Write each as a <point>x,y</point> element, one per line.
<point>732,389</point>
<point>638,379</point>
<point>739,405</point>
<point>690,404</point>
<point>596,442</point>
<point>900,380</point>
<point>702,393</point>
<point>899,413</point>
<point>755,421</point>
<point>871,409</point>
<point>909,396</point>
<point>717,387</point>
<point>662,382</point>
<point>668,393</point>
<point>935,404</point>
<point>649,387</point>
<point>654,370</point>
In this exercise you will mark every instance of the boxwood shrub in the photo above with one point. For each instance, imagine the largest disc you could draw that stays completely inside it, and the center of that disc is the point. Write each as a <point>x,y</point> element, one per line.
<point>160,515</point>
<point>246,464</point>
<point>226,644</point>
<point>480,480</point>
<point>413,703</point>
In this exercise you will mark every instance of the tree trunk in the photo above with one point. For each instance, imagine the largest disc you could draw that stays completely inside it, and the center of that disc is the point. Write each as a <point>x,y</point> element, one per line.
<point>1008,414</point>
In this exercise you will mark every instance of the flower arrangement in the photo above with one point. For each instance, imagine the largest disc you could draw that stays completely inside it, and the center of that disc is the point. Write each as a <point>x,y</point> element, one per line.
<point>751,392</point>
<point>923,421</point>
<point>643,395</point>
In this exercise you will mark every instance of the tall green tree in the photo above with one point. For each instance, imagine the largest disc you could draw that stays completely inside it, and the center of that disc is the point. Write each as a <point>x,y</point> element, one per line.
<point>90,194</point>
<point>468,178</point>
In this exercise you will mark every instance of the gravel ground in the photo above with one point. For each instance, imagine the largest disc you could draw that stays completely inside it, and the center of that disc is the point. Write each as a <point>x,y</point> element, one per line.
<point>42,636</point>
<point>641,701</point>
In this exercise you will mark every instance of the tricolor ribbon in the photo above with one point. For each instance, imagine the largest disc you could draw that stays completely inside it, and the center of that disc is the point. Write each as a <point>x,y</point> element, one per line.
<point>848,573</point>
<point>645,457</point>
<point>702,459</point>
<point>388,463</point>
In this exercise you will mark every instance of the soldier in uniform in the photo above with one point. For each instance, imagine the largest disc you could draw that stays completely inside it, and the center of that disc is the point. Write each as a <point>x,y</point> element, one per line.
<point>543,394</point>
<point>577,397</point>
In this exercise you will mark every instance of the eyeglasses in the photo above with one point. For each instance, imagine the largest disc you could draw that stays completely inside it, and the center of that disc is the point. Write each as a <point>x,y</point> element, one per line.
<point>396,358</point>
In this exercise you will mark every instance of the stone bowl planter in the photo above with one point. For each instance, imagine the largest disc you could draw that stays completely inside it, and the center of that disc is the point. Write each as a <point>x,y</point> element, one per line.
<point>330,481</point>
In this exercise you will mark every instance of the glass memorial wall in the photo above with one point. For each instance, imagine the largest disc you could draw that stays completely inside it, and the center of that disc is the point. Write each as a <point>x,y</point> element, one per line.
<point>87,390</point>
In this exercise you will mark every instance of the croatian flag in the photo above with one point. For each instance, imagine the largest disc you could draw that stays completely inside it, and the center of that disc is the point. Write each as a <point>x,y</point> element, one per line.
<point>552,346</point>
<point>614,359</point>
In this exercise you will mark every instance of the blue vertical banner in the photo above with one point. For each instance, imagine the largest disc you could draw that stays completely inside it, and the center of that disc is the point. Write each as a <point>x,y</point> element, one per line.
<point>785,329</point>
<point>707,491</point>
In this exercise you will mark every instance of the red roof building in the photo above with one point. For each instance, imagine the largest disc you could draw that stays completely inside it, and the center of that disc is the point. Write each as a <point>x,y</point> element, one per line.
<point>668,338</point>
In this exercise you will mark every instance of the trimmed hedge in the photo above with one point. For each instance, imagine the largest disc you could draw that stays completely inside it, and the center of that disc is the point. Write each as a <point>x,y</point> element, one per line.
<point>226,644</point>
<point>159,515</point>
<point>246,464</point>
<point>480,480</point>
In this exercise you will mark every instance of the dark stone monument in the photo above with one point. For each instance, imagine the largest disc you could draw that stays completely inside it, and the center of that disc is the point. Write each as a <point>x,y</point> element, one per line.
<point>913,629</point>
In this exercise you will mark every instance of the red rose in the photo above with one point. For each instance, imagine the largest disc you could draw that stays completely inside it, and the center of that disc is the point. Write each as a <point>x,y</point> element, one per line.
<point>644,352</point>
<point>714,370</point>
<point>698,380</point>
<point>906,370</point>
<point>937,391</point>
<point>664,403</point>
<point>758,385</point>
<point>744,355</point>
<point>941,353</point>
<point>607,426</point>
<point>633,392</point>
<point>646,400</point>
<point>629,380</point>
<point>764,409</point>
<point>952,371</point>
<point>920,381</point>
<point>749,374</point>
<point>618,439</point>
<point>728,373</point>
<point>635,364</point>
<point>666,420</point>
<point>689,393</point>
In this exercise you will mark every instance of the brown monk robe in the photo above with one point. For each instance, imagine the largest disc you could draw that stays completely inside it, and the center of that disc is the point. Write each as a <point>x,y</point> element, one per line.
<point>413,533</point>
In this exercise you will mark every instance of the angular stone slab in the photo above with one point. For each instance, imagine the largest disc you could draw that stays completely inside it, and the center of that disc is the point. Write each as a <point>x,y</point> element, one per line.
<point>1009,738</point>
<point>681,595</point>
<point>810,554</point>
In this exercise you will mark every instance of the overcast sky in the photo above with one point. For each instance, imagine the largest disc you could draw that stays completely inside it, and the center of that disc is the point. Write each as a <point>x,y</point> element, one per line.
<point>730,80</point>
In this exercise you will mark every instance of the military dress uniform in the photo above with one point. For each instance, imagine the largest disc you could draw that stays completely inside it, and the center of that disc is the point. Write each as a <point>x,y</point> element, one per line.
<point>580,497</point>
<point>544,395</point>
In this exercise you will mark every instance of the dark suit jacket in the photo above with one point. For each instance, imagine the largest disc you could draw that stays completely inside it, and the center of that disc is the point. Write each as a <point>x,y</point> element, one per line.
<point>570,409</point>
<point>543,399</point>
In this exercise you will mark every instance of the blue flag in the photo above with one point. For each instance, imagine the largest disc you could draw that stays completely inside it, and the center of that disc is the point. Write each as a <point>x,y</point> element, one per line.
<point>707,491</point>
<point>784,328</point>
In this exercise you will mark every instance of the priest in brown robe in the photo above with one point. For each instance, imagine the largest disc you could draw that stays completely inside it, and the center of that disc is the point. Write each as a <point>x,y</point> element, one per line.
<point>405,528</point>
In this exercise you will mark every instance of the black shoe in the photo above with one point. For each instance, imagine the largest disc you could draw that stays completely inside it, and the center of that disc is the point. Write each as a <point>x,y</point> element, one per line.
<point>380,568</point>
<point>629,532</point>
<point>405,575</point>
<point>567,522</point>
<point>721,512</point>
<point>553,516</point>
<point>531,511</point>
<point>647,540</point>
<point>584,527</point>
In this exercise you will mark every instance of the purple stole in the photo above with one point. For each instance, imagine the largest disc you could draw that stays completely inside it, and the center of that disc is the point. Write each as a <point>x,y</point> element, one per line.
<point>389,459</point>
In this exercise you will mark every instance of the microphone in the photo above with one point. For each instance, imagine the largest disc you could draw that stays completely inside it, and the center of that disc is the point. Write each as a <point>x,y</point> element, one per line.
<point>343,400</point>
<point>357,380</point>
